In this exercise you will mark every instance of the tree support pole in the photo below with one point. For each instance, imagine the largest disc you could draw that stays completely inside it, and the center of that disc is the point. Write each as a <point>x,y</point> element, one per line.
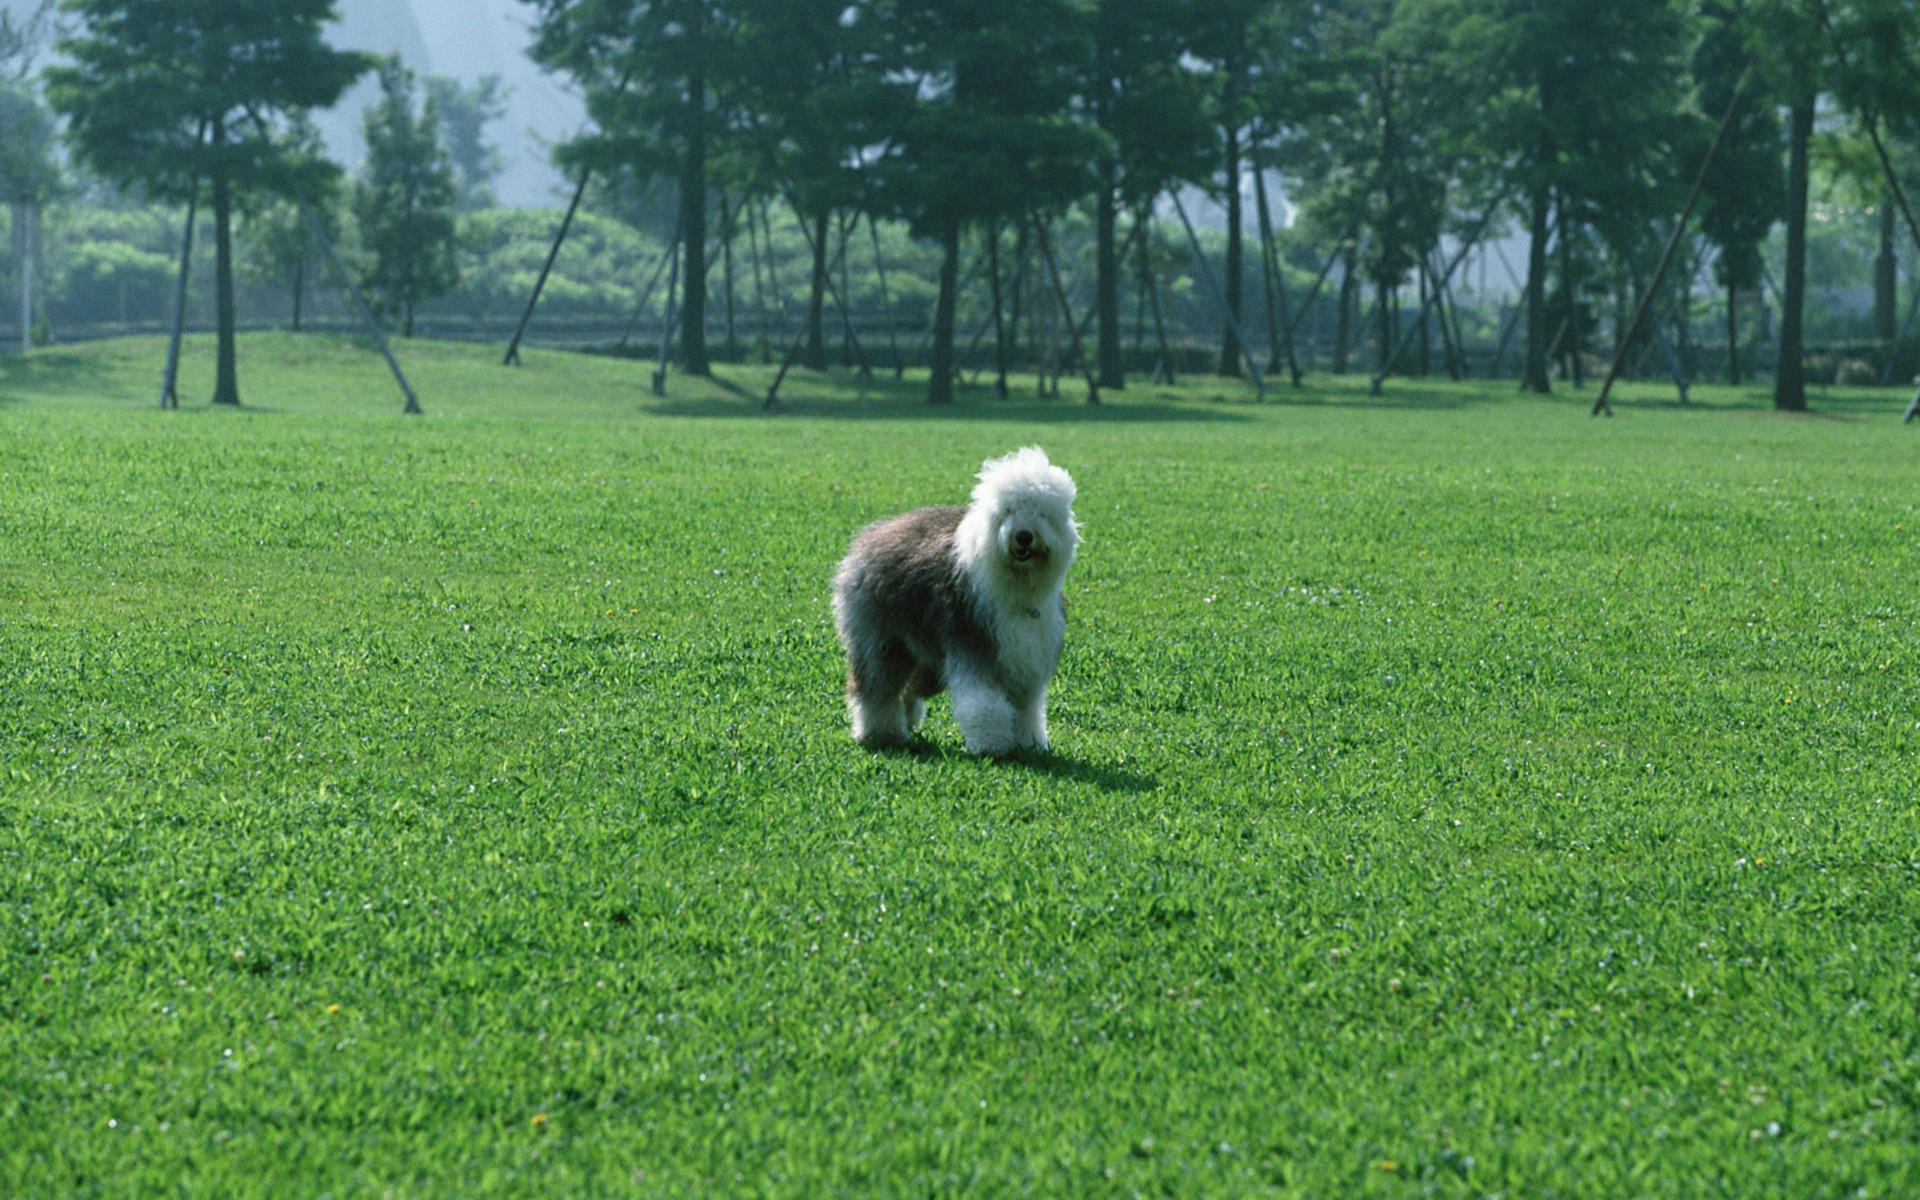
<point>1206,268</point>
<point>169,396</point>
<point>319,232</point>
<point>786,364</point>
<point>1276,284</point>
<point>833,293</point>
<point>1441,293</point>
<point>997,320</point>
<point>1066,312</point>
<point>1151,284</point>
<point>1466,247</point>
<point>886,299</point>
<point>366,314</point>
<point>1313,293</point>
<point>1452,333</point>
<point>512,358</point>
<point>1600,405</point>
<point>852,348</point>
<point>646,294</point>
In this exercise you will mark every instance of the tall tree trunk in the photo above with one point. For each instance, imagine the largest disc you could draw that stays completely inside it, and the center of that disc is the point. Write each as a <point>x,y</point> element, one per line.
<point>1343,320</point>
<point>849,351</point>
<point>1534,376</point>
<point>940,381</point>
<point>299,287</point>
<point>726,275</point>
<point>815,356</point>
<point>226,384</point>
<point>1790,380</point>
<point>1425,329</point>
<point>1388,322</point>
<point>1574,338</point>
<point>693,226</point>
<point>999,314</point>
<point>759,284</point>
<point>23,220</point>
<point>1107,278</point>
<point>1886,266</point>
<point>1733,335</point>
<point>1151,290</point>
<point>1017,304</point>
<point>1229,340</point>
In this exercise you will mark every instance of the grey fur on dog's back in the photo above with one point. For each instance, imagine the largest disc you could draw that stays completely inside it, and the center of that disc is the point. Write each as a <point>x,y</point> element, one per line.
<point>901,587</point>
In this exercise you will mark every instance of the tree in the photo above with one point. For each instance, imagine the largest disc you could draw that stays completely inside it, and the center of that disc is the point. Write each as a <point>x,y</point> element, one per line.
<point>1226,43</point>
<point>29,175</point>
<point>1878,80</point>
<point>1378,146</point>
<point>29,171</point>
<point>645,67</point>
<point>464,113</point>
<point>1744,189</point>
<point>278,241</point>
<point>1787,43</point>
<point>1583,106</point>
<point>812,96</point>
<point>1859,52</point>
<point>1153,115</point>
<point>988,136</point>
<point>158,92</point>
<point>404,200</point>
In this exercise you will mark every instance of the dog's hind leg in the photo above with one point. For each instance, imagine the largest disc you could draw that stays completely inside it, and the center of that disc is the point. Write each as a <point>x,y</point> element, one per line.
<point>925,682</point>
<point>876,683</point>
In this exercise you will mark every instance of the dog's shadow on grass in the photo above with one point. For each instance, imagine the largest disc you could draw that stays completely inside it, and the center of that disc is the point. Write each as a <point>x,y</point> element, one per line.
<point>1071,768</point>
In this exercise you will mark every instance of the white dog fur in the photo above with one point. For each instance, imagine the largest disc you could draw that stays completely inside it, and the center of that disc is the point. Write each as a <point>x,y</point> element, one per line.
<point>967,599</point>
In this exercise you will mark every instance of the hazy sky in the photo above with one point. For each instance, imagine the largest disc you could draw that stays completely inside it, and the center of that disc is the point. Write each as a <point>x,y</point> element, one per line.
<point>464,39</point>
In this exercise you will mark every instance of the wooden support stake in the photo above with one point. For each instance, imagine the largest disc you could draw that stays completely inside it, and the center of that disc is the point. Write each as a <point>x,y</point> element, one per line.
<point>1206,269</point>
<point>1600,405</point>
<point>1066,312</point>
<point>169,396</point>
<point>1472,240</point>
<point>512,358</point>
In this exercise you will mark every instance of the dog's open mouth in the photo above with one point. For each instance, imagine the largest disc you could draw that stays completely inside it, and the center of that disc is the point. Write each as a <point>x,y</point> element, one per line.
<point>1027,554</point>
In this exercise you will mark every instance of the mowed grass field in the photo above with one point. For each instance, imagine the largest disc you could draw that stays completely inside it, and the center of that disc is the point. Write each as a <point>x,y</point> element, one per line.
<point>1452,795</point>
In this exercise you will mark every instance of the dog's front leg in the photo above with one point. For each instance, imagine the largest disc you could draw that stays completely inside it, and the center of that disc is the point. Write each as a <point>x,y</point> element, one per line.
<point>1030,723</point>
<point>986,717</point>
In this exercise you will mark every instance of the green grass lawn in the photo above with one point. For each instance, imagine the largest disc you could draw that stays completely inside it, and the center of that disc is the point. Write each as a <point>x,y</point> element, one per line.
<point>1452,795</point>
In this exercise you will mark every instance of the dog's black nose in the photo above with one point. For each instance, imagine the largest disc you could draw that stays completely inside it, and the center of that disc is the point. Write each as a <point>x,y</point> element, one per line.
<point>1023,539</point>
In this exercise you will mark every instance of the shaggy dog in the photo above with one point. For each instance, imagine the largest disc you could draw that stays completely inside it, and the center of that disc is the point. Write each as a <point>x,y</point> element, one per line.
<point>961,598</point>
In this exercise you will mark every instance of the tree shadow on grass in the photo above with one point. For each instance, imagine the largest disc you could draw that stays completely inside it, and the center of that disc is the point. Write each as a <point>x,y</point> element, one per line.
<point>1037,412</point>
<point>880,397</point>
<point>55,373</point>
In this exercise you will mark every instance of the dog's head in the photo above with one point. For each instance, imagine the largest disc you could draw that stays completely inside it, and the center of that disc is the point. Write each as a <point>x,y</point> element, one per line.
<point>1026,506</point>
